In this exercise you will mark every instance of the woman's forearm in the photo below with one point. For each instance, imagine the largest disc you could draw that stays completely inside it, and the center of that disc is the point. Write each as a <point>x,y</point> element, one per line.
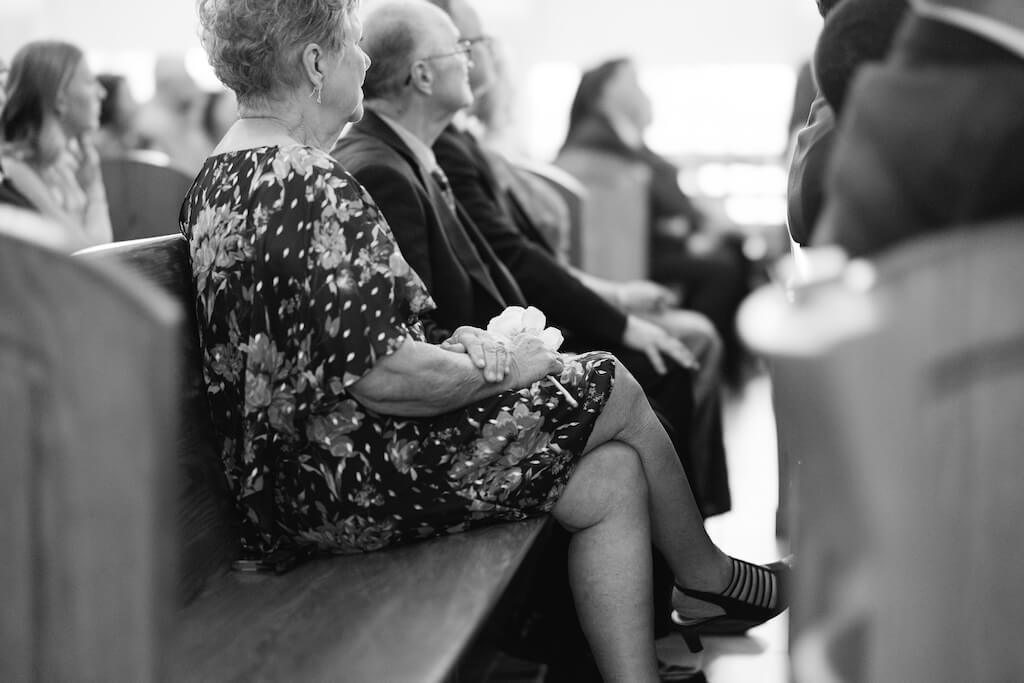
<point>421,380</point>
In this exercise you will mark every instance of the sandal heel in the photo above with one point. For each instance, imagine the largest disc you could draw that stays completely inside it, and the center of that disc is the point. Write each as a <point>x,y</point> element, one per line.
<point>748,602</point>
<point>692,640</point>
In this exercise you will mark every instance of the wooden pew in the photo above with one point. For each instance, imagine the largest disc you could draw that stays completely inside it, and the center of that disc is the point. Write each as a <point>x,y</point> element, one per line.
<point>615,241</point>
<point>87,372</point>
<point>910,421</point>
<point>573,194</point>
<point>421,612</point>
<point>144,192</point>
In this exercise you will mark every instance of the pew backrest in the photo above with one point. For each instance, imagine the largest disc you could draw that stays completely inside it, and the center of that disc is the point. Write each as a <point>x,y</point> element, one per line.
<point>573,195</point>
<point>409,613</point>
<point>144,193</point>
<point>206,514</point>
<point>87,372</point>
<point>910,377</point>
<point>615,237</point>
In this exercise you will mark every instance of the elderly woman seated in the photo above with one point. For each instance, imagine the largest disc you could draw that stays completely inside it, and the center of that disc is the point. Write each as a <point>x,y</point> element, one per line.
<point>343,431</point>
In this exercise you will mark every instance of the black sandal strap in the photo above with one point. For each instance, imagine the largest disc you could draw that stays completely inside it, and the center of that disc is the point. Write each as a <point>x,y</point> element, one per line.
<point>754,592</point>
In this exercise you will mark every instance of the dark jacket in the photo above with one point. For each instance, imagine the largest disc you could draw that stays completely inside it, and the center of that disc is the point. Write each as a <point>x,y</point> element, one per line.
<point>566,301</point>
<point>930,140</point>
<point>462,274</point>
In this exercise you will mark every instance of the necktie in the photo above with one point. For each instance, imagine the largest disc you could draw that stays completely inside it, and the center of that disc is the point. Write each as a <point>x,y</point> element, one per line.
<point>446,189</point>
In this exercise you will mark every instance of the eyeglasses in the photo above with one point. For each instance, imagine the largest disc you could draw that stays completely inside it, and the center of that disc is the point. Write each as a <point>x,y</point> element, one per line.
<point>484,40</point>
<point>463,48</point>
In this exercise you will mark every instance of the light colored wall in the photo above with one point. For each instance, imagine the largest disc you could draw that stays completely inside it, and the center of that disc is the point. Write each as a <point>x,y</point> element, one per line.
<point>540,38</point>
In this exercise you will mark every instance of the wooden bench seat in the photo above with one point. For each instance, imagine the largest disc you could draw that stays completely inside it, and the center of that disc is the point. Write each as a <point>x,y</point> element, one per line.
<point>410,613</point>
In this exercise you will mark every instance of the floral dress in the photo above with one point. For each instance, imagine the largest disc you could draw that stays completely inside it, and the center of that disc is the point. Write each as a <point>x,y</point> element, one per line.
<point>300,290</point>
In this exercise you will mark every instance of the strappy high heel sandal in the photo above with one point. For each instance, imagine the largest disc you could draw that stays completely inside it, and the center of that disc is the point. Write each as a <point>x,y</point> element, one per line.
<point>755,594</point>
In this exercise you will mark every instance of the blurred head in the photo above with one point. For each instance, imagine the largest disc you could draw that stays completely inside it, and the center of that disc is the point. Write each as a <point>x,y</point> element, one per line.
<point>416,52</point>
<point>856,32</point>
<point>50,83</point>
<point>173,84</point>
<point>483,74</point>
<point>119,106</point>
<point>611,89</point>
<point>219,113</point>
<point>826,6</point>
<point>277,51</point>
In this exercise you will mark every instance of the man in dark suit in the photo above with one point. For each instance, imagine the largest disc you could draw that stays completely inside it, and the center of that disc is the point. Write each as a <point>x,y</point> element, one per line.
<point>566,296</point>
<point>459,269</point>
<point>412,92</point>
<point>398,169</point>
<point>408,102</point>
<point>932,138</point>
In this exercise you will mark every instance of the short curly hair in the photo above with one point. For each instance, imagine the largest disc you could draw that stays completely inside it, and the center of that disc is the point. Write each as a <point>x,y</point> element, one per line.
<point>255,46</point>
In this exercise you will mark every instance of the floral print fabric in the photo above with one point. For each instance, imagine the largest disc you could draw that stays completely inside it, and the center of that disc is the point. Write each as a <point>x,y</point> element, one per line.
<point>300,289</point>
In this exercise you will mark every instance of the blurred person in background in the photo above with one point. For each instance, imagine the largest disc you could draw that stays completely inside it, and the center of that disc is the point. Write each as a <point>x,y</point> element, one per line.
<point>9,195</point>
<point>47,153</point>
<point>220,111</point>
<point>117,134</point>
<point>932,138</point>
<point>810,150</point>
<point>610,113</point>
<point>855,33</point>
<point>172,120</point>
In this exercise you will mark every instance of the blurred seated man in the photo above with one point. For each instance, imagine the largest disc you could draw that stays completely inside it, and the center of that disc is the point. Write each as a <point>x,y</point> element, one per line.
<point>171,122</point>
<point>610,112</point>
<point>933,137</point>
<point>117,134</point>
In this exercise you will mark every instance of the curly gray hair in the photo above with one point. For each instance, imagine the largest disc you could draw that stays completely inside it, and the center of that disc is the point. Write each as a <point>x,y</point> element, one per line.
<point>255,46</point>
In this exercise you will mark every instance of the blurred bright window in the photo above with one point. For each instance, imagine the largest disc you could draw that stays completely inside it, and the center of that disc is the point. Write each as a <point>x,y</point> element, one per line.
<point>724,124</point>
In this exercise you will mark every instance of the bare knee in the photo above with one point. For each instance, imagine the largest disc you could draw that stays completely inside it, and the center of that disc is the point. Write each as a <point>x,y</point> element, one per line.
<point>608,480</point>
<point>626,388</point>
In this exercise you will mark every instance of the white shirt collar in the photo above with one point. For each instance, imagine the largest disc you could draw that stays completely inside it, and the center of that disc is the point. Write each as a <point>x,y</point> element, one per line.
<point>419,149</point>
<point>998,32</point>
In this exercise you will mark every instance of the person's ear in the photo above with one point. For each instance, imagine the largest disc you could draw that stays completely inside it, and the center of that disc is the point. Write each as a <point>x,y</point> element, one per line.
<point>312,63</point>
<point>421,77</point>
<point>60,103</point>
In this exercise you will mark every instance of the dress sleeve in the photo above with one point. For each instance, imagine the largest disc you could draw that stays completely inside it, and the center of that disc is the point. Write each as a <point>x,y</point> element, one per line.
<point>346,293</point>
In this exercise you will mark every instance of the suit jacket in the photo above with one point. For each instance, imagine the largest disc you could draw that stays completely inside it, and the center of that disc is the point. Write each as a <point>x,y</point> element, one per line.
<point>467,281</point>
<point>899,169</point>
<point>566,301</point>
<point>584,315</point>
